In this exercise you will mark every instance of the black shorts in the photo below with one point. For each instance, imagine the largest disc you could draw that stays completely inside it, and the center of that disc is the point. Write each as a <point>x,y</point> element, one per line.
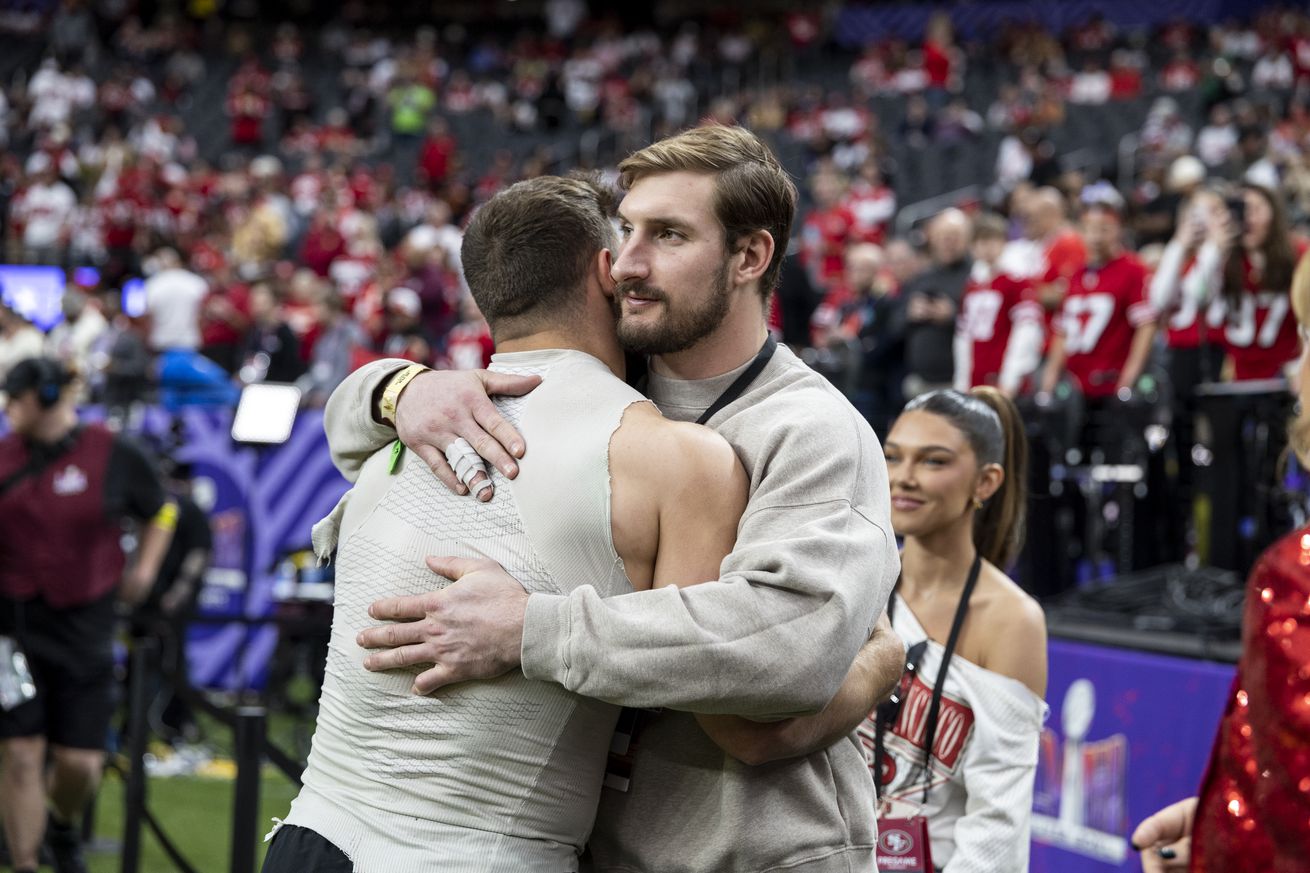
<point>300,850</point>
<point>72,707</point>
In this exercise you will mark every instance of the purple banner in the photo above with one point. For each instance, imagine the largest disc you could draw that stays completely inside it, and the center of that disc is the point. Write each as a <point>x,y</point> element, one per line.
<point>264,503</point>
<point>1129,733</point>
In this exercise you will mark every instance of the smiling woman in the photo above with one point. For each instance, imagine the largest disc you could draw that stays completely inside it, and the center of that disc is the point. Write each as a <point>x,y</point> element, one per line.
<point>961,748</point>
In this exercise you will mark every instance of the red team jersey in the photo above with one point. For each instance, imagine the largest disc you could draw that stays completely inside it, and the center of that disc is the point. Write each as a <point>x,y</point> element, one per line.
<point>989,310</point>
<point>1184,326</point>
<point>1100,313</point>
<point>1260,333</point>
<point>824,237</point>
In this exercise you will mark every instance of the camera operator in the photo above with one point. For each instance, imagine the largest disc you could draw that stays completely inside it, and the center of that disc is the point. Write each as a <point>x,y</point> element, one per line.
<point>65,492</point>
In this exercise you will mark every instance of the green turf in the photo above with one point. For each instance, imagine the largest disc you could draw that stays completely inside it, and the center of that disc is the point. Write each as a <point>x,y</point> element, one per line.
<point>195,812</point>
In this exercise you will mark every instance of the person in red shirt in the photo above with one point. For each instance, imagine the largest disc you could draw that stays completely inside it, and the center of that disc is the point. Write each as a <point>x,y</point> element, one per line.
<point>827,230</point>
<point>1104,330</point>
<point>1257,272</point>
<point>1125,77</point>
<point>1193,334</point>
<point>1052,250</point>
<point>224,319</point>
<point>1179,293</point>
<point>65,492</point>
<point>940,56</point>
<point>1181,73</point>
<point>436,154</point>
<point>323,243</point>
<point>872,201</point>
<point>247,107</point>
<point>998,335</point>
<point>469,345</point>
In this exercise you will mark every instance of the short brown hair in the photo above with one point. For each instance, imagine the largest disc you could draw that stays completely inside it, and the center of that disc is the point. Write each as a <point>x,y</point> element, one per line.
<point>527,251</point>
<point>751,189</point>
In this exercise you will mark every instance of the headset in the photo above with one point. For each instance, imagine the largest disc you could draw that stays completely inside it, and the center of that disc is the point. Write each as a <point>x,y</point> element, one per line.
<point>51,378</point>
<point>46,376</point>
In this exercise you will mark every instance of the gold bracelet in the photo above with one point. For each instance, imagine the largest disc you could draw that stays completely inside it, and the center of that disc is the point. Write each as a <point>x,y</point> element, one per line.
<point>391,394</point>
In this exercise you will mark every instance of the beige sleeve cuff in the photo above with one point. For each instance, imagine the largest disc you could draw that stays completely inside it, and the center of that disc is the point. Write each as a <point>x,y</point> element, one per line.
<point>545,639</point>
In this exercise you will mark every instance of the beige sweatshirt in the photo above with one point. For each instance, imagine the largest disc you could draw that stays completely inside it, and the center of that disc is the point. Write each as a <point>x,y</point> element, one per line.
<point>814,563</point>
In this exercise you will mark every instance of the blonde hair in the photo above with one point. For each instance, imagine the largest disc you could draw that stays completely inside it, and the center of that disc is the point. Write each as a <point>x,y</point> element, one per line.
<point>752,191</point>
<point>1299,430</point>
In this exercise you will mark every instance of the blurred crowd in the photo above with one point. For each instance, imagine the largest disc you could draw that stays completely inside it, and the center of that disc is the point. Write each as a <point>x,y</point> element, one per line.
<point>325,231</point>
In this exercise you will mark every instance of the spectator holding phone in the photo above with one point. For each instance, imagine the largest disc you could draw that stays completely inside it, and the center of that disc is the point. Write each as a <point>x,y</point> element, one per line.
<point>931,302</point>
<point>1259,257</point>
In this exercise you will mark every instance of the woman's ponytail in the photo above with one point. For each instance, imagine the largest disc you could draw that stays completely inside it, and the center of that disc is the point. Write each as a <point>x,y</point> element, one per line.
<point>999,527</point>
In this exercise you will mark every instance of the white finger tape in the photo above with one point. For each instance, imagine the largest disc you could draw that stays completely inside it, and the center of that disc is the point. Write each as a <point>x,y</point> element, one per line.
<point>467,464</point>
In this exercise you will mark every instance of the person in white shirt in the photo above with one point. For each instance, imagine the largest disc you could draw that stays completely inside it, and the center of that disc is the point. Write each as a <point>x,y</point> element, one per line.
<point>47,215</point>
<point>1216,141</point>
<point>958,742</point>
<point>72,339</point>
<point>1091,86</point>
<point>173,298</point>
<point>19,340</point>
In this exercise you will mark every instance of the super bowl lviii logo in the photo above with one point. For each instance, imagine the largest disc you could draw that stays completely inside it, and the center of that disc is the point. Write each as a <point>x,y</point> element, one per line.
<point>1079,798</point>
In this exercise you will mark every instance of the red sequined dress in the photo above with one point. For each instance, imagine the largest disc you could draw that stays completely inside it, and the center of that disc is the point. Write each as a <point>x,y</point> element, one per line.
<point>1254,810</point>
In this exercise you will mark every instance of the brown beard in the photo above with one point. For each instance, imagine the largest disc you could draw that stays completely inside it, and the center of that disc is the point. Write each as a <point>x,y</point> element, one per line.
<point>680,329</point>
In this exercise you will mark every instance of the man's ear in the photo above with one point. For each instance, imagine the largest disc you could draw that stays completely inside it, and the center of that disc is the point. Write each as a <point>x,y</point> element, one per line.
<point>604,272</point>
<point>756,250</point>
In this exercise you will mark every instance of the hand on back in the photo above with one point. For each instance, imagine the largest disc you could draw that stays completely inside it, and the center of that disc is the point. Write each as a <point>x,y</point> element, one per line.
<point>441,406</point>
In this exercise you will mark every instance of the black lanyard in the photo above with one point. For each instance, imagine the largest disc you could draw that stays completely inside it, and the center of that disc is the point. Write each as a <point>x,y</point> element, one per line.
<point>934,708</point>
<point>742,382</point>
<point>633,719</point>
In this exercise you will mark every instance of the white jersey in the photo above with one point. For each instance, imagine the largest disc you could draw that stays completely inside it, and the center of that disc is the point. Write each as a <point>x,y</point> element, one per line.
<point>485,776</point>
<point>173,299</point>
<point>48,212</point>
<point>980,776</point>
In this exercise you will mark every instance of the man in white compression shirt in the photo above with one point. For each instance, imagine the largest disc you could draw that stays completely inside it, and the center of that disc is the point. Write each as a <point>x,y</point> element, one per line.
<point>505,774</point>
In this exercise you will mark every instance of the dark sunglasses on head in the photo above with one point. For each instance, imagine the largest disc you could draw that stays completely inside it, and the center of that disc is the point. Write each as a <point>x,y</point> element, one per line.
<point>890,709</point>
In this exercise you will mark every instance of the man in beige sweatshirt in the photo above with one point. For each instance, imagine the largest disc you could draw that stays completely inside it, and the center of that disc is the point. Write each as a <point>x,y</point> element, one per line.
<point>797,599</point>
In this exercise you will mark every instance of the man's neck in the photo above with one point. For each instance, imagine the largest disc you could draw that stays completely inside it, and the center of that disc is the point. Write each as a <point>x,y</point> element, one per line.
<point>1101,259</point>
<point>732,344</point>
<point>609,353</point>
<point>54,426</point>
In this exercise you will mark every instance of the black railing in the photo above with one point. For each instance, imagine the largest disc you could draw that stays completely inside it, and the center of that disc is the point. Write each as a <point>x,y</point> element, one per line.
<point>248,723</point>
